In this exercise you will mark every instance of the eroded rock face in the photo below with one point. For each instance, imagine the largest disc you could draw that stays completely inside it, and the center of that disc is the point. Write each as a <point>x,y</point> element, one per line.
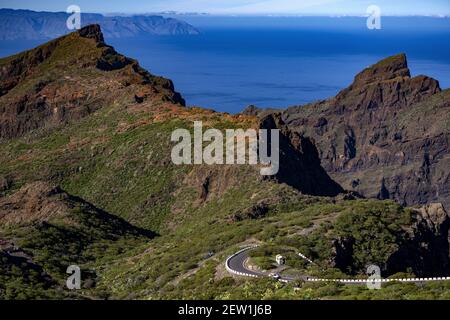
<point>384,136</point>
<point>435,217</point>
<point>92,32</point>
<point>69,78</point>
<point>38,201</point>
<point>257,211</point>
<point>299,161</point>
<point>386,84</point>
<point>422,248</point>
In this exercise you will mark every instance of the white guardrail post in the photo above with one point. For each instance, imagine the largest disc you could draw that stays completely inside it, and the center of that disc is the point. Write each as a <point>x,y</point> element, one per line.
<point>310,279</point>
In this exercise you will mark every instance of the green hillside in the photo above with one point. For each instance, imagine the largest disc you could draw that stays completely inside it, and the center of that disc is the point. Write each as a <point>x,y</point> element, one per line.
<point>100,191</point>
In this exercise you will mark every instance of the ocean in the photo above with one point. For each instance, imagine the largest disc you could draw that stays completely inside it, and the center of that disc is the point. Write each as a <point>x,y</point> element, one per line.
<point>280,61</point>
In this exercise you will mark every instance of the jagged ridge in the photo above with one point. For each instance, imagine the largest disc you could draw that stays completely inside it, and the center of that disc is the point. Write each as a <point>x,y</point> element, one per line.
<point>54,83</point>
<point>385,136</point>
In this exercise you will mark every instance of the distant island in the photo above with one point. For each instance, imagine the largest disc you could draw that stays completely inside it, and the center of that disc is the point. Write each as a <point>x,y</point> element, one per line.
<point>32,25</point>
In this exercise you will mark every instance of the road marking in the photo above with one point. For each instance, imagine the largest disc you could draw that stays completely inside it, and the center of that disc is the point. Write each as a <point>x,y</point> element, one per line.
<point>312,279</point>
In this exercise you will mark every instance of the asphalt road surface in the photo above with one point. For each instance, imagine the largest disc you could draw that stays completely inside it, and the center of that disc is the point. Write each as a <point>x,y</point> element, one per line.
<point>236,265</point>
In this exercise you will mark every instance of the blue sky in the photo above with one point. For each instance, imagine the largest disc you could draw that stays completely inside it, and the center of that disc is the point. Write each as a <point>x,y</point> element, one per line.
<point>315,7</point>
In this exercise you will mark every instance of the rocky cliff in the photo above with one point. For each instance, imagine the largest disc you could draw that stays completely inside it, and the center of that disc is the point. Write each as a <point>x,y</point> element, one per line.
<point>66,83</point>
<point>69,78</point>
<point>299,161</point>
<point>385,136</point>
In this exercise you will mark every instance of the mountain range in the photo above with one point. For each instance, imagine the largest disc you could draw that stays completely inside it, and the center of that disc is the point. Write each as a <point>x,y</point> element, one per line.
<point>32,25</point>
<point>86,179</point>
<point>386,136</point>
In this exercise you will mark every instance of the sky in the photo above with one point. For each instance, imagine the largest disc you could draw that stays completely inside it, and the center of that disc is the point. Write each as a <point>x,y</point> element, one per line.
<point>251,7</point>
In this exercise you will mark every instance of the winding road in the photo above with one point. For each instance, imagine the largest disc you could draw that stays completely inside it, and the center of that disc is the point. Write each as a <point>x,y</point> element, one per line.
<point>235,264</point>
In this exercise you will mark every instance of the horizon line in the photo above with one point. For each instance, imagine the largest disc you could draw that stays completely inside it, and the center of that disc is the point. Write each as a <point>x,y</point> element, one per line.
<point>203,14</point>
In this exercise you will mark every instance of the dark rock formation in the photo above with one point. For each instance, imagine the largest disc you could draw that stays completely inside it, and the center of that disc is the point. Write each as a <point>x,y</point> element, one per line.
<point>255,111</point>
<point>92,32</point>
<point>386,84</point>
<point>384,136</point>
<point>256,211</point>
<point>299,161</point>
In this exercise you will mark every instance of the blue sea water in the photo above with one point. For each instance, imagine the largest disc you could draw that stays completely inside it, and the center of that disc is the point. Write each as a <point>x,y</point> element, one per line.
<point>281,61</point>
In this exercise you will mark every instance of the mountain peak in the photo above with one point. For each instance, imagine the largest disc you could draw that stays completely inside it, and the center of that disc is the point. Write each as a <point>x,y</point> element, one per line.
<point>92,31</point>
<point>299,158</point>
<point>64,74</point>
<point>387,83</point>
<point>386,69</point>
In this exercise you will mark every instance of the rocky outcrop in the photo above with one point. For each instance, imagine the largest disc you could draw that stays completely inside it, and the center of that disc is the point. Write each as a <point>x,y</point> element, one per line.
<point>34,202</point>
<point>69,78</point>
<point>257,211</point>
<point>42,203</point>
<point>384,136</point>
<point>387,84</point>
<point>299,167</point>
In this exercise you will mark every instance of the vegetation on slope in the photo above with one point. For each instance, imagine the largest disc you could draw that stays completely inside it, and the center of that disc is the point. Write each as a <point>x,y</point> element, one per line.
<point>115,162</point>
